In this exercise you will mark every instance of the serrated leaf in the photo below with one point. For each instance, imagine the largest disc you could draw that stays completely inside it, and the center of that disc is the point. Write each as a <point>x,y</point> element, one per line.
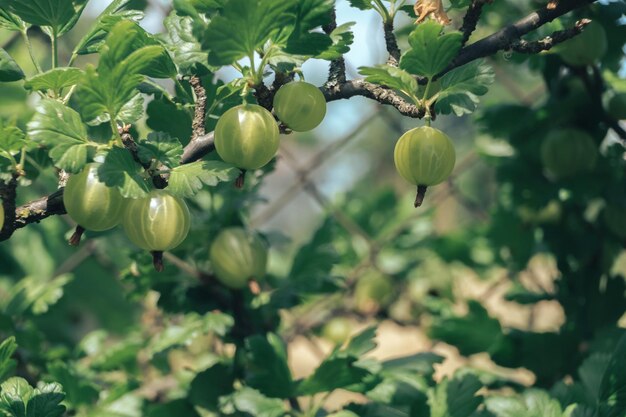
<point>342,38</point>
<point>160,146</point>
<point>192,326</point>
<point>186,180</point>
<point>35,295</point>
<point>9,70</point>
<point>120,170</point>
<point>54,79</point>
<point>185,48</point>
<point>252,402</point>
<point>166,116</point>
<point>455,397</point>
<point>46,401</point>
<point>243,26</point>
<point>268,370</point>
<point>391,77</point>
<point>7,349</point>
<point>112,15</point>
<point>533,403</point>
<point>362,4</point>
<point>211,384</point>
<point>431,51</point>
<point>12,139</point>
<point>461,87</point>
<point>310,14</point>
<point>14,394</point>
<point>59,15</point>
<point>61,129</point>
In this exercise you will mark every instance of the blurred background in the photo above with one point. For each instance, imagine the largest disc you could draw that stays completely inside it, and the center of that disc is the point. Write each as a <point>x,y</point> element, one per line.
<point>339,177</point>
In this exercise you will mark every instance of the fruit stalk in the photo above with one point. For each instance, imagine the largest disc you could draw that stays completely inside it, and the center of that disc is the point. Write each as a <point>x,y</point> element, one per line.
<point>76,237</point>
<point>421,193</point>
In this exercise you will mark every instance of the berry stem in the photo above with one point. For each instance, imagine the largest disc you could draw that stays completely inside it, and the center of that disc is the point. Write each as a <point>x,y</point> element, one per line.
<point>421,193</point>
<point>241,179</point>
<point>157,261</point>
<point>78,234</point>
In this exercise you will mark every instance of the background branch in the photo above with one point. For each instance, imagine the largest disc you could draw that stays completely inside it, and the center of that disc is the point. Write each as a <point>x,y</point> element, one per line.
<point>471,18</point>
<point>534,47</point>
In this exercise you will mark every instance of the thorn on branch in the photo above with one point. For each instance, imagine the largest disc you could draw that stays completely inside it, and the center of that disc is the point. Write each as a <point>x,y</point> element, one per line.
<point>534,47</point>
<point>337,70</point>
<point>471,18</point>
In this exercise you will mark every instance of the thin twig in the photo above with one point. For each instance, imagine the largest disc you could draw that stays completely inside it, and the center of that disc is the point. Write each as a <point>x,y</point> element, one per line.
<point>533,47</point>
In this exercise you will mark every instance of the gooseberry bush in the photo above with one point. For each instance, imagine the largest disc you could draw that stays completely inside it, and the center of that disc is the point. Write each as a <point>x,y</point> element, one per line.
<point>503,120</point>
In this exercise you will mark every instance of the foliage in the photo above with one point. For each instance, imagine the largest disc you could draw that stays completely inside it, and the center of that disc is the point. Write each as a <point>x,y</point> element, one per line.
<point>96,331</point>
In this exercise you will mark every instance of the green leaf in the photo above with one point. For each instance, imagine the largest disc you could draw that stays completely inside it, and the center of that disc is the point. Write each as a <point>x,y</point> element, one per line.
<point>186,50</point>
<point>165,116</point>
<point>186,180</point>
<point>9,70</point>
<point>473,333</point>
<point>14,394</point>
<point>77,388</point>
<point>342,37</point>
<point>211,384</point>
<point>160,146</point>
<point>59,15</point>
<point>12,139</point>
<point>61,129</point>
<point>612,393</point>
<point>310,14</point>
<point>11,22</point>
<point>591,372</point>
<point>45,401</point>
<point>254,403</point>
<point>129,55</point>
<point>35,295</point>
<point>455,397</point>
<point>431,51</point>
<point>391,77</point>
<point>342,369</point>
<point>362,4</point>
<point>533,403</point>
<point>54,79</point>
<point>7,349</point>
<point>190,328</point>
<point>111,16</point>
<point>120,170</point>
<point>243,27</point>
<point>312,265</point>
<point>268,370</point>
<point>461,87</point>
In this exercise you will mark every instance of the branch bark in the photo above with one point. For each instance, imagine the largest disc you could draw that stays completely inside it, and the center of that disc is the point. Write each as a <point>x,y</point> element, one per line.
<point>534,47</point>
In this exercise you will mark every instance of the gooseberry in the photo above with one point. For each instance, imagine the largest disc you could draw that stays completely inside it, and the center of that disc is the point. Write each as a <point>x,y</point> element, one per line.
<point>585,48</point>
<point>237,257</point>
<point>568,152</point>
<point>247,136</point>
<point>300,105</point>
<point>424,156</point>
<point>337,330</point>
<point>372,292</point>
<point>91,203</point>
<point>157,222</point>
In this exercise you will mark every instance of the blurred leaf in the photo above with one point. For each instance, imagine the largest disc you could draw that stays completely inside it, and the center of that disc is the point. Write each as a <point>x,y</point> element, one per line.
<point>267,368</point>
<point>54,79</point>
<point>455,397</point>
<point>211,384</point>
<point>533,403</point>
<point>9,70</point>
<point>77,388</point>
<point>431,51</point>
<point>612,392</point>
<point>186,180</point>
<point>7,349</point>
<point>35,295</point>
<point>247,400</point>
<point>476,332</point>
<point>11,22</point>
